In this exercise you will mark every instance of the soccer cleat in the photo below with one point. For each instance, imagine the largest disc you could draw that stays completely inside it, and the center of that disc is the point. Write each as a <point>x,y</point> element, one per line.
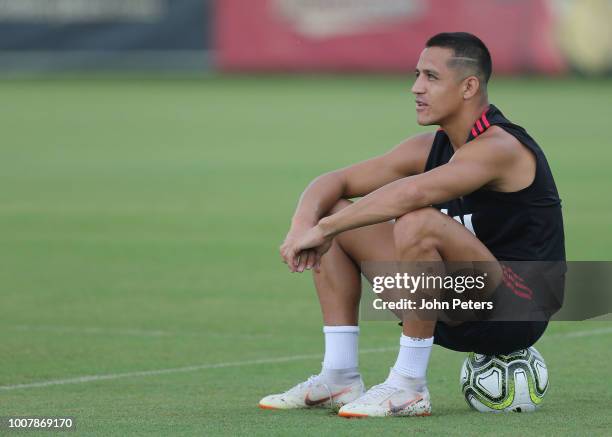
<point>312,393</point>
<point>387,400</point>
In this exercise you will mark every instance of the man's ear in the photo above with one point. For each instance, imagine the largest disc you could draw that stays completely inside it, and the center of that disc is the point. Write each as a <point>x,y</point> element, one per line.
<point>471,86</point>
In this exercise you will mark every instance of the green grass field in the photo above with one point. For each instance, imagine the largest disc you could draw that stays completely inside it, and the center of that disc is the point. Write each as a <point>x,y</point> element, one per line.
<point>139,226</point>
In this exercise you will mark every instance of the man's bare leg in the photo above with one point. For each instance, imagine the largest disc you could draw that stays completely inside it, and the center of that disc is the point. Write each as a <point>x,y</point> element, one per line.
<point>423,235</point>
<point>338,281</point>
<point>429,235</point>
<point>338,284</point>
<point>418,234</point>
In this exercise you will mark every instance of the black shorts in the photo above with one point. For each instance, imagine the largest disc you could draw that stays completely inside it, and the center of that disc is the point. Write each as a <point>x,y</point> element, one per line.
<point>489,338</point>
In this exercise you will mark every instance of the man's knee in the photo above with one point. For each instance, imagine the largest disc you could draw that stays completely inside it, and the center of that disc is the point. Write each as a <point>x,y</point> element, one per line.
<point>417,229</point>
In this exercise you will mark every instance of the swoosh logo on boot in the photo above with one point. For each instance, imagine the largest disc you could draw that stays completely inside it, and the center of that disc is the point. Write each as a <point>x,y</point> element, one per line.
<point>312,403</point>
<point>398,408</point>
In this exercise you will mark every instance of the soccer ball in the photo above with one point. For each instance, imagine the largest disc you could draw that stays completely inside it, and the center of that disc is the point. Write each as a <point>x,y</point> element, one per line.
<point>514,382</point>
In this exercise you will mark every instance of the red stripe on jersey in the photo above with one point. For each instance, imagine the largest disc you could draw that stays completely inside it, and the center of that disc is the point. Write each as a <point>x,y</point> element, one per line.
<point>479,126</point>
<point>474,132</point>
<point>484,118</point>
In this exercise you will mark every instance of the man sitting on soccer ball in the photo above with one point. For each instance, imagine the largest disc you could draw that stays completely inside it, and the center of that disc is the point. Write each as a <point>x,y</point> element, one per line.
<point>478,167</point>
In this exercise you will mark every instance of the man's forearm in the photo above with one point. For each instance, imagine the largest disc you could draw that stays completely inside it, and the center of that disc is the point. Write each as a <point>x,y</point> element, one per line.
<point>389,202</point>
<point>318,198</point>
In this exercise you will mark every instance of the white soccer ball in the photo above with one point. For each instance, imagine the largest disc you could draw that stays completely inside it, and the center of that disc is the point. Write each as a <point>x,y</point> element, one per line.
<point>514,382</point>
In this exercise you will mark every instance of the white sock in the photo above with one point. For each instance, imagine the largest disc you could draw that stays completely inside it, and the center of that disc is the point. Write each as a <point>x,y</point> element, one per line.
<point>341,352</point>
<point>413,356</point>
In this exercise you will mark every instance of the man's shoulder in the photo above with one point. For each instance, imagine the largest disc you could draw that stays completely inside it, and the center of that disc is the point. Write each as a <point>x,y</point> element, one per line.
<point>499,155</point>
<point>497,142</point>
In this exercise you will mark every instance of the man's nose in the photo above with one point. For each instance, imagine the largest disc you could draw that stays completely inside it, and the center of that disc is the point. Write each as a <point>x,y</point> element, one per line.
<point>417,86</point>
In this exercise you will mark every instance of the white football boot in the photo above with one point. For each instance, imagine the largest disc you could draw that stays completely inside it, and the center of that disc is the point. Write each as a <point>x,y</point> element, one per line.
<point>314,392</point>
<point>387,400</point>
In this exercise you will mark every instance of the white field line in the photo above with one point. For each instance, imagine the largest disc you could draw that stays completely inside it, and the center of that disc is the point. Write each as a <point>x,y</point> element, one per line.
<point>90,330</point>
<point>112,376</point>
<point>92,378</point>
<point>574,334</point>
<point>129,332</point>
<point>163,333</point>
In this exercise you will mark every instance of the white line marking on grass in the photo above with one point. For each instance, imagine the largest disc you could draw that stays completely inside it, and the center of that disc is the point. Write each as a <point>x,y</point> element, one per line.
<point>90,330</point>
<point>93,378</point>
<point>112,376</point>
<point>574,334</point>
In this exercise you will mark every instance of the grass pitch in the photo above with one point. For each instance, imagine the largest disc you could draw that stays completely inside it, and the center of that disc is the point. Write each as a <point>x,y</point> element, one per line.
<point>139,227</point>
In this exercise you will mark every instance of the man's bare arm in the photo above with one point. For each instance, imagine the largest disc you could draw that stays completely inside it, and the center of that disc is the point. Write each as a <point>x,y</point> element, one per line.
<point>408,158</point>
<point>482,162</point>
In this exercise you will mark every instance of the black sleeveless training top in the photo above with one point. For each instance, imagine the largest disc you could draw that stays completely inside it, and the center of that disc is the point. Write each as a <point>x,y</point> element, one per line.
<point>524,225</point>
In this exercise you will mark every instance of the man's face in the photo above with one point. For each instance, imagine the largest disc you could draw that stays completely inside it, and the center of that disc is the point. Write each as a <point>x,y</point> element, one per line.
<point>438,89</point>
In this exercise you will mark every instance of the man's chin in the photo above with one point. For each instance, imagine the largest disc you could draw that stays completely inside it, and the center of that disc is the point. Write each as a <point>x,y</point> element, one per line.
<point>422,121</point>
<point>426,118</point>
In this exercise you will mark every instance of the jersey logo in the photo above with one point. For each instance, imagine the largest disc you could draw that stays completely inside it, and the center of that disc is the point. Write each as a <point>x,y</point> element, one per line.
<point>465,220</point>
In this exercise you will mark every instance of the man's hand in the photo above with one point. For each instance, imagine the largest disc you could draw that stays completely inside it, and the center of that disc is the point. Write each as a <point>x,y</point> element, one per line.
<point>303,248</point>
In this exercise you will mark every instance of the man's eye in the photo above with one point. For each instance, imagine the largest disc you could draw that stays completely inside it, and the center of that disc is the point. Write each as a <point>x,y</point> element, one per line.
<point>431,76</point>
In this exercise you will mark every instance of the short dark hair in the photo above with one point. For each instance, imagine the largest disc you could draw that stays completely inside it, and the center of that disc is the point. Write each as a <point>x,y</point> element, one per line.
<point>469,52</point>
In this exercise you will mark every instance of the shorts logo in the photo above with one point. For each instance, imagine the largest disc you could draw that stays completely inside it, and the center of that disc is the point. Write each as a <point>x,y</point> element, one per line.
<point>515,283</point>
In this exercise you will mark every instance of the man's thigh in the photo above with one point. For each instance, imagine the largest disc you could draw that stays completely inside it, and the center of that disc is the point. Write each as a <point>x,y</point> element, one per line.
<point>378,242</point>
<point>457,246</point>
<point>452,240</point>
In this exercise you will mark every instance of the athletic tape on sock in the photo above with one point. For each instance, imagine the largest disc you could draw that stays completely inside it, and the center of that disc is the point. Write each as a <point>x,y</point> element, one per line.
<point>415,341</point>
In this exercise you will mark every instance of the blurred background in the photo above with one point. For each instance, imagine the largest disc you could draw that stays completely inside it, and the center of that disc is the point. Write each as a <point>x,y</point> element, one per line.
<point>152,153</point>
<point>538,36</point>
<point>548,37</point>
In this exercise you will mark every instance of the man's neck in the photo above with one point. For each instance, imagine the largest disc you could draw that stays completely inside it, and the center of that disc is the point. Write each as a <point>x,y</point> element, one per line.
<point>458,128</point>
